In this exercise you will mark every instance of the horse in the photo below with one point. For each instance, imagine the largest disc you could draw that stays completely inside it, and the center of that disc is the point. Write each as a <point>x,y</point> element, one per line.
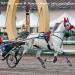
<point>40,41</point>
<point>55,42</point>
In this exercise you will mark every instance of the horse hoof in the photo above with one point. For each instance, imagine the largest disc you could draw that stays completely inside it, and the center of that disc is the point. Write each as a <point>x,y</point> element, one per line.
<point>70,64</point>
<point>55,59</point>
<point>43,66</point>
<point>45,60</point>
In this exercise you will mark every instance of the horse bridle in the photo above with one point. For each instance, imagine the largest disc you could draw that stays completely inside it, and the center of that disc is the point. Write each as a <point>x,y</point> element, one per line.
<point>62,32</point>
<point>69,24</point>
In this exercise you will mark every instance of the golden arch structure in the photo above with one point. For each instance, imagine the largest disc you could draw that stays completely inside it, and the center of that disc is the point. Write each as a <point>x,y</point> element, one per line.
<point>11,15</point>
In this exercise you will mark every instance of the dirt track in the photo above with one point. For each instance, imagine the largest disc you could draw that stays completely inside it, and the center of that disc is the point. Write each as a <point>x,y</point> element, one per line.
<point>29,65</point>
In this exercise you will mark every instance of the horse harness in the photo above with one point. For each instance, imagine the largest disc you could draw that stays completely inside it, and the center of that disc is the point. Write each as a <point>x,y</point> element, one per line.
<point>45,36</point>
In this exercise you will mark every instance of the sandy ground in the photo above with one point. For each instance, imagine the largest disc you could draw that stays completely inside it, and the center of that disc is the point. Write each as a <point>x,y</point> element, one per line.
<point>29,65</point>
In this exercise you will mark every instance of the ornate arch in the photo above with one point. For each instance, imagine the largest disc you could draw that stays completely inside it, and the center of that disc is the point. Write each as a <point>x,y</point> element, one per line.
<point>11,15</point>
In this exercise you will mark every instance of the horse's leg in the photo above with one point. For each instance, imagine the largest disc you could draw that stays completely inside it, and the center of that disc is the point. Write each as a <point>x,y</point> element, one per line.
<point>65,55</point>
<point>55,57</point>
<point>68,61</point>
<point>54,60</point>
<point>57,50</point>
<point>39,58</point>
<point>60,51</point>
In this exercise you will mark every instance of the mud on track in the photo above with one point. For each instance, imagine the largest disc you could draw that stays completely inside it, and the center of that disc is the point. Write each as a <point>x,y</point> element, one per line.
<point>29,65</point>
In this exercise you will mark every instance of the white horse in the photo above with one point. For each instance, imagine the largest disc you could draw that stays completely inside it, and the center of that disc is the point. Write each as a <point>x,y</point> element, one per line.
<point>39,41</point>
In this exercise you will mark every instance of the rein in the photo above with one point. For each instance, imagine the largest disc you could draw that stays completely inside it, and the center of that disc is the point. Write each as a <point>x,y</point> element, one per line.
<point>58,37</point>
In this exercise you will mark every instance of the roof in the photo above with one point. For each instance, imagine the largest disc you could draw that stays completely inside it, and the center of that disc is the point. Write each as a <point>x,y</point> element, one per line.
<point>52,4</point>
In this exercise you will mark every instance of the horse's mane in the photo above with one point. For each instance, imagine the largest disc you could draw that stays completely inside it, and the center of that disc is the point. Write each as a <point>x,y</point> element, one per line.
<point>56,26</point>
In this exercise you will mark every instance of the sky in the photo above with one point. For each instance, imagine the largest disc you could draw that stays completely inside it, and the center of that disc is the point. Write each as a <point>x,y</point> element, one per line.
<point>34,20</point>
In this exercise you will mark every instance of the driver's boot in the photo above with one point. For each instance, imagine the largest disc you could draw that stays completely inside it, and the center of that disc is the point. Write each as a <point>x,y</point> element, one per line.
<point>55,59</point>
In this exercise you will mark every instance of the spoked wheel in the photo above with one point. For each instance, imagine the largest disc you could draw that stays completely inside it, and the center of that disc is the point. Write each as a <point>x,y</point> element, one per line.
<point>11,61</point>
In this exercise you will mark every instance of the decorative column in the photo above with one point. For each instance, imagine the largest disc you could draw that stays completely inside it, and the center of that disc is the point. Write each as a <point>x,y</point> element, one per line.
<point>27,17</point>
<point>43,15</point>
<point>10,19</point>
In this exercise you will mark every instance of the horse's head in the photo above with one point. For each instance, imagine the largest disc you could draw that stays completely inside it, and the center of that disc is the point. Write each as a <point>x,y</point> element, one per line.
<point>69,27</point>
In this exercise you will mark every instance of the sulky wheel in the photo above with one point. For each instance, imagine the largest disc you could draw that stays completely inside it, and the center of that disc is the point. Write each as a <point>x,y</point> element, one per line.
<point>11,61</point>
